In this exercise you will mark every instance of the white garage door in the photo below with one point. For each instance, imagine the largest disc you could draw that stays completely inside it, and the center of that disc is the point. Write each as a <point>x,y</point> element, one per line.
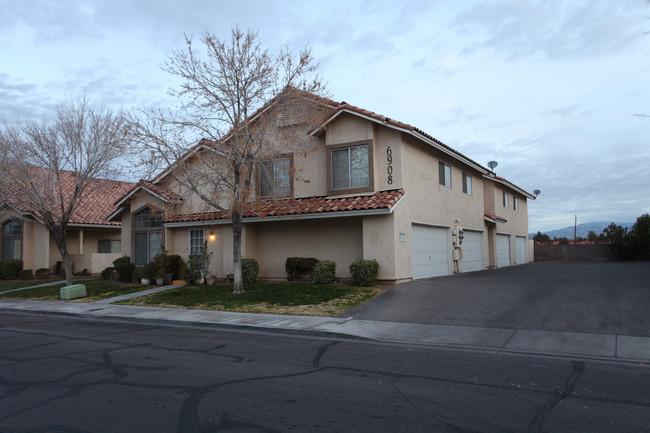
<point>430,251</point>
<point>472,252</point>
<point>520,245</point>
<point>503,250</point>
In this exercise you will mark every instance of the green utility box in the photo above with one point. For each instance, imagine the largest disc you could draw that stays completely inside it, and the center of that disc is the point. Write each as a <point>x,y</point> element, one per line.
<point>73,292</point>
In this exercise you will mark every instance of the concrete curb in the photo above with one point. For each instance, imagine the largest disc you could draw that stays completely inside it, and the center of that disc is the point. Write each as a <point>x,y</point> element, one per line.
<point>619,348</point>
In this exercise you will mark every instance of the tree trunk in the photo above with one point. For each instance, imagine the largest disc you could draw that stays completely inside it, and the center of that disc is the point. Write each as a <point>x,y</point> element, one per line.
<point>236,252</point>
<point>59,238</point>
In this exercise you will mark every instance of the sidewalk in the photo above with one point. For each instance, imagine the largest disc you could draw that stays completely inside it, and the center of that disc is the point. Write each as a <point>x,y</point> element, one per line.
<point>495,340</point>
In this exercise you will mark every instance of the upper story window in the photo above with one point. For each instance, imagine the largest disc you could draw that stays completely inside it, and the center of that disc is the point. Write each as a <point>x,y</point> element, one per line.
<point>515,203</point>
<point>274,178</point>
<point>505,199</point>
<point>197,241</point>
<point>350,167</point>
<point>444,174</point>
<point>147,235</point>
<point>148,218</point>
<point>12,232</point>
<point>467,184</point>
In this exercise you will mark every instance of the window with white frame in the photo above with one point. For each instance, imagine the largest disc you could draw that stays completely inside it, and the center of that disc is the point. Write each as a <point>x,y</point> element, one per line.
<point>274,177</point>
<point>505,199</point>
<point>467,184</point>
<point>515,203</point>
<point>444,174</point>
<point>197,241</point>
<point>350,167</point>
<point>105,246</point>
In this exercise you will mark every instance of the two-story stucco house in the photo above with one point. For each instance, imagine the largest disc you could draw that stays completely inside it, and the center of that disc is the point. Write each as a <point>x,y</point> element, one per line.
<point>368,187</point>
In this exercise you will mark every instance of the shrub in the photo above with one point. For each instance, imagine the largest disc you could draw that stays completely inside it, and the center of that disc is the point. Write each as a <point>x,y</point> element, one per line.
<point>108,274</point>
<point>82,273</point>
<point>296,266</point>
<point>139,273</point>
<point>10,269</point>
<point>199,264</point>
<point>160,265</point>
<point>42,273</point>
<point>26,274</point>
<point>364,272</point>
<point>149,271</point>
<point>124,269</point>
<point>249,269</point>
<point>325,272</point>
<point>177,267</point>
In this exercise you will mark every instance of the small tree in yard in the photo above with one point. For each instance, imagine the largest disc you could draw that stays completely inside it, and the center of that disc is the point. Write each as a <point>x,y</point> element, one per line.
<point>220,92</point>
<point>49,166</point>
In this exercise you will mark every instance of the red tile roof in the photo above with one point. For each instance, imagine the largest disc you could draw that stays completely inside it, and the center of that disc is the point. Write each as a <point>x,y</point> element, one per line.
<point>95,206</point>
<point>387,120</point>
<point>303,206</point>
<point>158,190</point>
<point>494,217</point>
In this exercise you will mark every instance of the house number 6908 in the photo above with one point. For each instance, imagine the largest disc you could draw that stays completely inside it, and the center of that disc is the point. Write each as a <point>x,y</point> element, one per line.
<point>389,160</point>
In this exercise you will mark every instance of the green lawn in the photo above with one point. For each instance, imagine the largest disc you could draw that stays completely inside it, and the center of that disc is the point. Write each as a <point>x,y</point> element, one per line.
<point>14,284</point>
<point>96,289</point>
<point>293,298</point>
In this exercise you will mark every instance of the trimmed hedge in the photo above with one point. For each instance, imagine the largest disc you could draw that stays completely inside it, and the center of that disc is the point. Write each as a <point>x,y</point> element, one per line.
<point>296,266</point>
<point>124,269</point>
<point>42,273</point>
<point>26,274</point>
<point>325,272</point>
<point>10,269</point>
<point>108,274</point>
<point>364,272</point>
<point>249,269</point>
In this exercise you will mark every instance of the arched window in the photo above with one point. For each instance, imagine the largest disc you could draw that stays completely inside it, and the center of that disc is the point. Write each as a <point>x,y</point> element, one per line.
<point>12,240</point>
<point>147,235</point>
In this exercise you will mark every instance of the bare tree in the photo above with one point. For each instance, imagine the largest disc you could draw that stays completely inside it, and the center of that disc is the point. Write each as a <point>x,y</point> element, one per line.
<point>233,95</point>
<point>49,166</point>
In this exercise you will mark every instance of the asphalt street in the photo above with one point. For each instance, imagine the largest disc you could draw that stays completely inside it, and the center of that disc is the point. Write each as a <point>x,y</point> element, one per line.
<point>73,375</point>
<point>600,298</point>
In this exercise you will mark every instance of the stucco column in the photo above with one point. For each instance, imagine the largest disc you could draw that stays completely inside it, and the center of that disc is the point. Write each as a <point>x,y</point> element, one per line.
<point>379,243</point>
<point>81,241</point>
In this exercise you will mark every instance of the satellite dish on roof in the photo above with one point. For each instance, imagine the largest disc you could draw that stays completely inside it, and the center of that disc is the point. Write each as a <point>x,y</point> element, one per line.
<point>492,165</point>
<point>537,192</point>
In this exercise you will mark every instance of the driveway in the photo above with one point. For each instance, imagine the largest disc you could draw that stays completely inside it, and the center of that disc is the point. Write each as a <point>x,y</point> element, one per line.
<point>602,298</point>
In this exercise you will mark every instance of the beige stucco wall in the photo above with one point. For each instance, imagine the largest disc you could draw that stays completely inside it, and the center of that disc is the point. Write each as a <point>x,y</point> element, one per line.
<point>517,220</point>
<point>381,242</point>
<point>35,245</point>
<point>427,202</point>
<point>138,202</point>
<point>336,239</point>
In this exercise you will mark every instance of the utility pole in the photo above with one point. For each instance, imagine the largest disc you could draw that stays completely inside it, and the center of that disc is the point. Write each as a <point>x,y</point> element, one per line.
<point>575,228</point>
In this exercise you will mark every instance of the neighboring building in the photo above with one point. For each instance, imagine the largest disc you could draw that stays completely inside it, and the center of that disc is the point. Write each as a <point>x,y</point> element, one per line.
<point>360,185</point>
<point>92,241</point>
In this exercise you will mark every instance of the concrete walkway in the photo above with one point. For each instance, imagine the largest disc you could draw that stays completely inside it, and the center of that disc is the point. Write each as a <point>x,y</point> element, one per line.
<point>495,340</point>
<point>138,294</point>
<point>49,283</point>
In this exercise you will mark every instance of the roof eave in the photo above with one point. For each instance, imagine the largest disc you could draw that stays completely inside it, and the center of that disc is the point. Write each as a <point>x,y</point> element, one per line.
<point>291,217</point>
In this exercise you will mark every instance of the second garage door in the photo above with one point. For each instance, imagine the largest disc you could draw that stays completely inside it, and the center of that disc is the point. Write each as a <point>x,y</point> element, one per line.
<point>503,250</point>
<point>472,252</point>
<point>430,251</point>
<point>520,246</point>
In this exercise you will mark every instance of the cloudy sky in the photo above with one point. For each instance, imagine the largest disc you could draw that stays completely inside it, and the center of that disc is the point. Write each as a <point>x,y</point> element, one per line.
<point>549,89</point>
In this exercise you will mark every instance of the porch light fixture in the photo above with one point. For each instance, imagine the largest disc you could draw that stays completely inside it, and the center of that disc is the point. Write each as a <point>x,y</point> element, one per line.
<point>212,236</point>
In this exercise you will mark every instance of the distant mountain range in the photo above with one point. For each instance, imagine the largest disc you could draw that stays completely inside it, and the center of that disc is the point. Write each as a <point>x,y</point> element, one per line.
<point>581,229</point>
